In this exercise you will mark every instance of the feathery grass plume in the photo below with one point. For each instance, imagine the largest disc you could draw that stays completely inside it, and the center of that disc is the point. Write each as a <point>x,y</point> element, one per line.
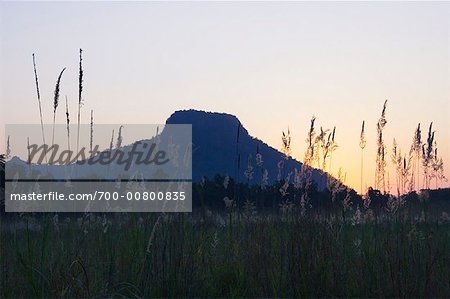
<point>406,173</point>
<point>286,139</point>
<point>297,179</point>
<point>264,179</point>
<point>362,145</point>
<point>39,102</point>
<point>91,139</point>
<point>438,169</point>
<point>8,149</point>
<point>396,158</point>
<point>56,102</point>
<point>403,169</point>
<point>437,166</point>
<point>320,139</point>
<point>284,188</point>
<point>280,166</point>
<point>80,99</point>
<point>226,182</point>
<point>380,168</point>
<point>119,138</point>
<point>427,156</point>
<point>68,124</point>
<point>336,185</point>
<point>29,152</point>
<point>306,171</point>
<point>362,137</point>
<point>258,158</point>
<point>329,148</point>
<point>309,154</point>
<point>248,173</point>
<point>148,252</point>
<point>259,165</point>
<point>416,148</point>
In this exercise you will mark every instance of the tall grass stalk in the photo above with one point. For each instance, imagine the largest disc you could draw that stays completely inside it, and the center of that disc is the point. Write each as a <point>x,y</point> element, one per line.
<point>68,124</point>
<point>8,148</point>
<point>39,101</point>
<point>119,138</point>
<point>330,147</point>
<point>309,154</point>
<point>416,148</point>
<point>427,156</point>
<point>91,139</point>
<point>80,99</point>
<point>362,145</point>
<point>437,166</point>
<point>319,143</point>
<point>396,158</point>
<point>56,102</point>
<point>380,167</point>
<point>286,140</point>
<point>29,151</point>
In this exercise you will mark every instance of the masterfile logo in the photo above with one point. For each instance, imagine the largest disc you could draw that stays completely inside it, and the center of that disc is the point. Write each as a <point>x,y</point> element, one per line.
<point>141,168</point>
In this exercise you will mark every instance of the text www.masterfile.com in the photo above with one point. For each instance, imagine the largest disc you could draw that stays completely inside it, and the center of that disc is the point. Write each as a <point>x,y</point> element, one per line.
<point>100,196</point>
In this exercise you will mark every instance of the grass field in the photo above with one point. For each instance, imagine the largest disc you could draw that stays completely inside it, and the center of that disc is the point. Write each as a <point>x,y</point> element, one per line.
<point>175,255</point>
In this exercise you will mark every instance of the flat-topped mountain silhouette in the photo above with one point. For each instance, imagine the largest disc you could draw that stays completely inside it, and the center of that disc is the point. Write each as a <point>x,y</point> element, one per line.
<point>216,148</point>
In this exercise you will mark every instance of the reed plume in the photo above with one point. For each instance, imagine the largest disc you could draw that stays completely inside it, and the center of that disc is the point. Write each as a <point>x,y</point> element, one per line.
<point>396,158</point>
<point>308,160</point>
<point>427,155</point>
<point>438,167</point>
<point>328,148</point>
<point>403,169</point>
<point>8,149</point>
<point>362,145</point>
<point>416,148</point>
<point>436,164</point>
<point>55,102</point>
<point>309,154</point>
<point>405,174</point>
<point>248,173</point>
<point>380,169</point>
<point>68,124</point>
<point>286,140</point>
<point>80,99</point>
<point>91,139</point>
<point>119,138</point>
<point>319,143</point>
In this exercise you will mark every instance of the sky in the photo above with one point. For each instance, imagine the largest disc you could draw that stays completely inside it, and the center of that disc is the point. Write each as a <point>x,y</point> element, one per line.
<point>273,65</point>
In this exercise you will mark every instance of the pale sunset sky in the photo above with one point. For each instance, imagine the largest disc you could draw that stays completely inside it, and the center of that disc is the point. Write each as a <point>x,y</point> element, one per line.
<point>273,65</point>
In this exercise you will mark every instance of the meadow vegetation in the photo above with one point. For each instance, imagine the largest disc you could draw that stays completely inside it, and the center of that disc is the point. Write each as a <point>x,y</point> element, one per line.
<point>251,238</point>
